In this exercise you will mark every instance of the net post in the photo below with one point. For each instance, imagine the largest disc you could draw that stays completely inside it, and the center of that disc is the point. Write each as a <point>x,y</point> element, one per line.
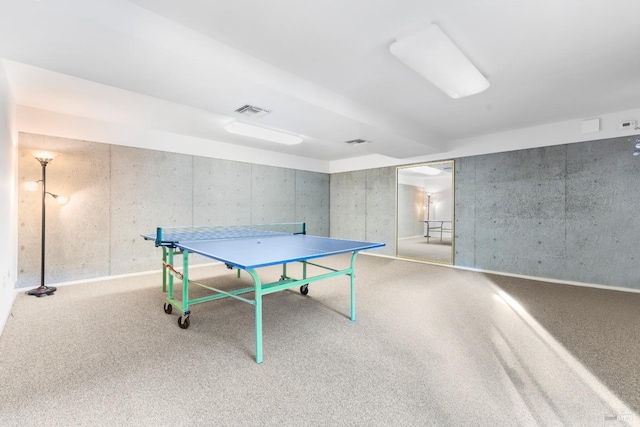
<point>304,228</point>
<point>158,236</point>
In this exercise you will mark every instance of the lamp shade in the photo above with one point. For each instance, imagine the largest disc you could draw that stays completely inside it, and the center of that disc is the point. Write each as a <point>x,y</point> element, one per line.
<point>434,56</point>
<point>45,156</point>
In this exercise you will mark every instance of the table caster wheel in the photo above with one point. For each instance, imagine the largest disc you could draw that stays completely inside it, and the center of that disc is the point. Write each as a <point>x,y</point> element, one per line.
<point>183,322</point>
<point>168,308</point>
<point>304,289</point>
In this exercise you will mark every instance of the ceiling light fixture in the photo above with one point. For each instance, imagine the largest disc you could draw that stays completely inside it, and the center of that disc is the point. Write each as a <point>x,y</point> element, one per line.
<point>253,131</point>
<point>435,57</point>
<point>427,170</point>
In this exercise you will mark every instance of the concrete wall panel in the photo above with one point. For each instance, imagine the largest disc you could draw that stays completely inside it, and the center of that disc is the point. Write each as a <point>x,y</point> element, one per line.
<point>272,194</point>
<point>602,212</point>
<point>523,245</point>
<point>348,205</point>
<point>523,184</point>
<point>380,208</point>
<point>221,192</point>
<point>118,193</point>
<point>312,201</point>
<point>148,189</point>
<point>566,212</point>
<point>465,211</point>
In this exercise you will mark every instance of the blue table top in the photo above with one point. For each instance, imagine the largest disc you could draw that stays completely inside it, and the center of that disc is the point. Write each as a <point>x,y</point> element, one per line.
<point>258,252</point>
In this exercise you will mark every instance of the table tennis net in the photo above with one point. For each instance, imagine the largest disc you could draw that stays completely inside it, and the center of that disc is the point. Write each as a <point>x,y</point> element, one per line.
<point>168,235</point>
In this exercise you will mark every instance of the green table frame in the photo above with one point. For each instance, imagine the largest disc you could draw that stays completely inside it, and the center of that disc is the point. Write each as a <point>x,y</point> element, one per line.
<point>259,289</point>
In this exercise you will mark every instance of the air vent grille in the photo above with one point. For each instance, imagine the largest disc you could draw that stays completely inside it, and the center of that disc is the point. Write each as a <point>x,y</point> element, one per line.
<point>252,111</point>
<point>356,141</point>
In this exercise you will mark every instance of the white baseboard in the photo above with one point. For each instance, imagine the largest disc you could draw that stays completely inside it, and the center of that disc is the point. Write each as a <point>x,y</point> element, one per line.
<point>520,276</point>
<point>549,280</point>
<point>116,277</point>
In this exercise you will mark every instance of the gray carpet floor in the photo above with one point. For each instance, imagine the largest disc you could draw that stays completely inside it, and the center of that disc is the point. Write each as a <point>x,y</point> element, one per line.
<point>418,248</point>
<point>431,346</point>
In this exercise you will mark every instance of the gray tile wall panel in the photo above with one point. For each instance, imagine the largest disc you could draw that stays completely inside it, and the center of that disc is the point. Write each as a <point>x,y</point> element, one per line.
<point>118,193</point>
<point>221,192</point>
<point>348,205</point>
<point>380,208</point>
<point>464,205</point>
<point>603,252</point>
<point>521,184</point>
<point>602,212</point>
<point>519,212</point>
<point>272,194</point>
<point>148,189</point>
<point>566,212</point>
<point>312,201</point>
<point>522,245</point>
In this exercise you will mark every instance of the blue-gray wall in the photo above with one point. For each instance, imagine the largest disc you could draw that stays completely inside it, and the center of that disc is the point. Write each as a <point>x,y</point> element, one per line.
<point>118,193</point>
<point>567,212</point>
<point>363,207</point>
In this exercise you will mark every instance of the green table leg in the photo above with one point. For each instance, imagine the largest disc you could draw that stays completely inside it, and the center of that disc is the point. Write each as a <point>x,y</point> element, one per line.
<point>353,287</point>
<point>164,269</point>
<point>170,275</point>
<point>258,304</point>
<point>185,281</point>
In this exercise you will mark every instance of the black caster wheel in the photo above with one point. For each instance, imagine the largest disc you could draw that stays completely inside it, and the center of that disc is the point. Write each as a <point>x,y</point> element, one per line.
<point>183,322</point>
<point>304,289</point>
<point>168,308</point>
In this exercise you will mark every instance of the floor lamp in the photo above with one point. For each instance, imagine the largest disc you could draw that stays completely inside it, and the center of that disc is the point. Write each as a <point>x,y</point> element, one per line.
<point>44,159</point>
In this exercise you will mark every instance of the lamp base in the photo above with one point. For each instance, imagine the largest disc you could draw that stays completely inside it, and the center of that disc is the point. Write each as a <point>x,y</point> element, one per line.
<point>42,291</point>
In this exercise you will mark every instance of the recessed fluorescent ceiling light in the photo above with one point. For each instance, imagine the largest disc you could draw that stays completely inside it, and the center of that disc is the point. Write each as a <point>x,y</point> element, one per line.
<point>433,55</point>
<point>428,170</point>
<point>253,131</point>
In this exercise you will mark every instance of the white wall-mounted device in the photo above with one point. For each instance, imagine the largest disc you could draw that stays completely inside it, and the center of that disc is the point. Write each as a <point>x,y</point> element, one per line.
<point>629,124</point>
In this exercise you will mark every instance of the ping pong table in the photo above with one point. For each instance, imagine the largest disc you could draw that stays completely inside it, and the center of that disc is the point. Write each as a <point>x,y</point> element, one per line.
<point>432,225</point>
<point>249,248</point>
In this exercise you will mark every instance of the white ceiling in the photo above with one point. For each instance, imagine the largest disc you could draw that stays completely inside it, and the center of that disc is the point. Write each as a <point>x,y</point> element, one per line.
<point>322,67</point>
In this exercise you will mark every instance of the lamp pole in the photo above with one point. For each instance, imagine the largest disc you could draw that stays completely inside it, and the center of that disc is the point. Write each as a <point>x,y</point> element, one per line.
<point>42,289</point>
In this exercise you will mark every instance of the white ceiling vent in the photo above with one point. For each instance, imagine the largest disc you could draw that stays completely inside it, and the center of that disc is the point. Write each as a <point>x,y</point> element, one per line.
<point>252,111</point>
<point>357,141</point>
